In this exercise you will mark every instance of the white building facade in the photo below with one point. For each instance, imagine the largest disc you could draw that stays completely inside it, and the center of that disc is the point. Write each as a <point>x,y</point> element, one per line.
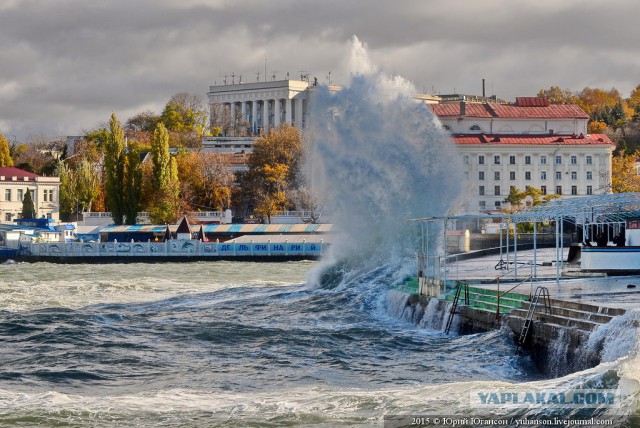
<point>45,192</point>
<point>527,143</point>
<point>263,105</point>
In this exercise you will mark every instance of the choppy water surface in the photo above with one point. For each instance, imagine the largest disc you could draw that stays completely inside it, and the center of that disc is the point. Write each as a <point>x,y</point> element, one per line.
<point>228,343</point>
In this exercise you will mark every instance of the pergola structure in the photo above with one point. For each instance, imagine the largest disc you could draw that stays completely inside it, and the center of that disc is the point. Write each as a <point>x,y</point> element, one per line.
<point>591,213</point>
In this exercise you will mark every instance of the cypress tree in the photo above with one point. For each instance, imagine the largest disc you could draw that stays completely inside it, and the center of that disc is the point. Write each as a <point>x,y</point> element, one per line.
<point>28,209</point>
<point>161,158</point>
<point>114,170</point>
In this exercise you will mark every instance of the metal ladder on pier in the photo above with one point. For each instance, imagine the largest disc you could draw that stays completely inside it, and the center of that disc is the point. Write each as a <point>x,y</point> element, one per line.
<point>541,292</point>
<point>454,307</point>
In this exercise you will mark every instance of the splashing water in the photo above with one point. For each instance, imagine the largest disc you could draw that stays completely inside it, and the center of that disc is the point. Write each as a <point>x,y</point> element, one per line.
<point>381,158</point>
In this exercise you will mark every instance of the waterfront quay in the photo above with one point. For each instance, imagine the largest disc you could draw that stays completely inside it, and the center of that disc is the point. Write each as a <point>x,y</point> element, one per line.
<point>246,248</point>
<point>550,317</point>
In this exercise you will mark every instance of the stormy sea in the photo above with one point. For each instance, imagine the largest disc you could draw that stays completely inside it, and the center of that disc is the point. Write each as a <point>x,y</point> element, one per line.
<point>321,344</point>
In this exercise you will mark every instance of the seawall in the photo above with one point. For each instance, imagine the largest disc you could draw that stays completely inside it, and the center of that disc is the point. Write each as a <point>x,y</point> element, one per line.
<point>555,349</point>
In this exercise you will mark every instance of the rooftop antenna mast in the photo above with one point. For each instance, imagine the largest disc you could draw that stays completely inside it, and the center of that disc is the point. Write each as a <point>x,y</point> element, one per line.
<point>329,77</point>
<point>273,75</point>
<point>258,76</point>
<point>225,79</point>
<point>233,78</point>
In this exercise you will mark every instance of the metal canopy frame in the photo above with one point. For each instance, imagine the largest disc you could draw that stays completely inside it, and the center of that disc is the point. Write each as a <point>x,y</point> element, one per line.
<point>613,208</point>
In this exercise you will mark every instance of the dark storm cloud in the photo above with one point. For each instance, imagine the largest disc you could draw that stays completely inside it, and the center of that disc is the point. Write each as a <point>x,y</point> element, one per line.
<point>67,64</point>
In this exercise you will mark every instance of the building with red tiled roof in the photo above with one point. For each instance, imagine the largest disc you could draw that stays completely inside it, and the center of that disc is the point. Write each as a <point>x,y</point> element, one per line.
<point>526,143</point>
<point>45,192</point>
<point>530,115</point>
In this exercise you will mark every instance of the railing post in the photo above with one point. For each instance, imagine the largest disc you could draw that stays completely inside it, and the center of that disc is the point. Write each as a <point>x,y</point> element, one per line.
<point>498,302</point>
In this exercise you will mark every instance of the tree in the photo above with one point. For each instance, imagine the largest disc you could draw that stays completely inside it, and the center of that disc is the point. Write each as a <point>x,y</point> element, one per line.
<point>132,184</point>
<point>165,202</point>
<point>185,116</point>
<point>114,170</point>
<point>624,176</point>
<point>273,169</point>
<point>87,184</point>
<point>597,127</point>
<point>5,155</point>
<point>39,155</point>
<point>634,100</point>
<point>28,209</point>
<point>515,196</point>
<point>143,122</point>
<point>556,95</point>
<point>67,188</point>
<point>161,158</point>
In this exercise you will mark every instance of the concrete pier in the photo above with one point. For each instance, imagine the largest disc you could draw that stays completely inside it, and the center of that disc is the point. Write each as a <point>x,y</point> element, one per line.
<point>558,338</point>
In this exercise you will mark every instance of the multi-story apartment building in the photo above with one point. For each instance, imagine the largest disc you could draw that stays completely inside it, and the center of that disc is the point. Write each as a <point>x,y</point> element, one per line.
<point>45,192</point>
<point>527,143</point>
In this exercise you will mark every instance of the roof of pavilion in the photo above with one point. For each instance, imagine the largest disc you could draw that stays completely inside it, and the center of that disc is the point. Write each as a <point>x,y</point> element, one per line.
<point>599,208</point>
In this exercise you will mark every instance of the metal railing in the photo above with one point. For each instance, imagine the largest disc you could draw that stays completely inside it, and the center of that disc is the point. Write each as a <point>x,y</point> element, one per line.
<point>541,292</point>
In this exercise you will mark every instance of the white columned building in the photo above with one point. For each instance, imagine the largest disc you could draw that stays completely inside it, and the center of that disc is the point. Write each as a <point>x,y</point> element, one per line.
<point>271,95</point>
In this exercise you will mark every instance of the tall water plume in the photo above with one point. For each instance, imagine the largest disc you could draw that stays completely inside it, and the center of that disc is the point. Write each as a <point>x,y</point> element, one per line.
<point>379,157</point>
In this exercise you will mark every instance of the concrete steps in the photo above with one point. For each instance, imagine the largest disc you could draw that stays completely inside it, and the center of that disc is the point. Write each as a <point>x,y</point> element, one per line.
<point>582,316</point>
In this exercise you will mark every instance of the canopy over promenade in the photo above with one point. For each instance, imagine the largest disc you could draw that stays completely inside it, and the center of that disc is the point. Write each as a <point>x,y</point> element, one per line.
<point>593,214</point>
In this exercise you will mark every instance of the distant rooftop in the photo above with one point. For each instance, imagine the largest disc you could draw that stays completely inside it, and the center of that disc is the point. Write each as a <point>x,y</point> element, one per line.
<point>543,139</point>
<point>524,107</point>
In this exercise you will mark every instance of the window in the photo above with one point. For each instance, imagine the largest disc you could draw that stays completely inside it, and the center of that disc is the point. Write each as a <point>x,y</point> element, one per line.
<point>7,217</point>
<point>574,190</point>
<point>574,175</point>
<point>44,198</point>
<point>481,191</point>
<point>496,175</point>
<point>480,175</point>
<point>20,194</point>
<point>498,204</point>
<point>589,160</point>
<point>466,159</point>
<point>512,160</point>
<point>543,175</point>
<point>497,190</point>
<point>589,190</point>
<point>558,175</point>
<point>543,160</point>
<point>574,160</point>
<point>51,195</point>
<point>483,205</point>
<point>527,175</point>
<point>475,128</point>
<point>558,160</point>
<point>558,190</point>
<point>543,189</point>
<point>589,175</point>
<point>481,159</point>
<point>7,195</point>
<point>496,160</point>
<point>512,175</point>
<point>527,160</point>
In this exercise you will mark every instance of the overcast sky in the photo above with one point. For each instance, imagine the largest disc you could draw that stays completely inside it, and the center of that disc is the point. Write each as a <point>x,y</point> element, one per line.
<point>65,65</point>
